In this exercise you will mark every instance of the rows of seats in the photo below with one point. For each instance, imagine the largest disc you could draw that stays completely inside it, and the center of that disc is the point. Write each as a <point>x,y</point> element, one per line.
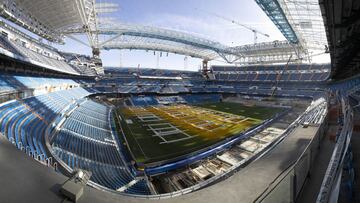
<point>316,113</point>
<point>191,99</point>
<point>84,140</point>
<point>170,100</point>
<point>84,128</point>
<point>107,175</point>
<point>24,122</point>
<point>18,51</point>
<point>138,86</point>
<point>97,120</point>
<point>87,148</point>
<point>34,82</point>
<point>207,98</point>
<point>296,67</point>
<point>152,72</point>
<point>91,113</point>
<point>139,188</point>
<point>79,63</point>
<point>282,92</point>
<point>9,82</point>
<point>312,72</point>
<point>10,113</point>
<point>266,76</point>
<point>7,86</point>
<point>83,143</point>
<point>153,89</point>
<point>249,88</point>
<point>128,81</point>
<point>51,63</point>
<point>197,89</point>
<point>89,119</point>
<point>178,89</point>
<point>6,45</point>
<point>143,101</point>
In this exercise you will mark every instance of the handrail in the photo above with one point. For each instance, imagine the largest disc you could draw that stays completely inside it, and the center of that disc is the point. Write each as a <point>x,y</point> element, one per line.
<point>333,171</point>
<point>290,168</point>
<point>205,183</point>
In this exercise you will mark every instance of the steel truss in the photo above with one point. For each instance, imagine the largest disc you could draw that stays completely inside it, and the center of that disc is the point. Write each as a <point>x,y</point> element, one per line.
<point>128,36</point>
<point>56,19</point>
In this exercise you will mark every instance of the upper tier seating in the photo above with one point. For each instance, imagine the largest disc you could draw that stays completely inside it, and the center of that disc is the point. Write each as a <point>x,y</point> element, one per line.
<point>80,63</point>
<point>264,88</point>
<point>151,72</point>
<point>293,73</point>
<point>5,44</point>
<point>20,52</point>
<point>86,139</point>
<point>21,86</point>
<point>21,82</point>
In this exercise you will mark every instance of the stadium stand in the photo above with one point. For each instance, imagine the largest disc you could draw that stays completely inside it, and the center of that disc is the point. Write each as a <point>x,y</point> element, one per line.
<point>62,111</point>
<point>82,136</point>
<point>290,73</point>
<point>143,101</point>
<point>24,54</point>
<point>163,73</point>
<point>21,86</point>
<point>20,46</point>
<point>81,63</point>
<point>25,121</point>
<point>127,82</point>
<point>190,99</point>
<point>85,141</point>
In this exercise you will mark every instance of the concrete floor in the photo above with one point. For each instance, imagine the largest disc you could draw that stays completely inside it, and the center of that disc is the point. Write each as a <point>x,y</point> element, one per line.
<point>25,180</point>
<point>311,188</point>
<point>28,181</point>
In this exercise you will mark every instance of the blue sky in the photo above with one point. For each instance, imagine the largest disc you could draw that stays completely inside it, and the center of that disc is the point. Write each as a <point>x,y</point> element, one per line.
<point>184,15</point>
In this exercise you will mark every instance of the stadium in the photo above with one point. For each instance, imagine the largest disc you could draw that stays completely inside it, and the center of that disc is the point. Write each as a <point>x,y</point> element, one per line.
<point>266,119</point>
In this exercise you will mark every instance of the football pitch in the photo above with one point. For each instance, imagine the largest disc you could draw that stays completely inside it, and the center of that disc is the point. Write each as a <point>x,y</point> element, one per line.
<point>158,133</point>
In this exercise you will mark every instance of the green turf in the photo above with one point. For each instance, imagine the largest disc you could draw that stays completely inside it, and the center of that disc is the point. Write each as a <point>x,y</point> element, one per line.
<point>256,112</point>
<point>146,148</point>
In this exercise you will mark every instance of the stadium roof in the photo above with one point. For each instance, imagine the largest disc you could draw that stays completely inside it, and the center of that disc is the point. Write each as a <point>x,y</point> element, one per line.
<point>306,19</point>
<point>51,18</point>
<point>131,36</point>
<point>300,21</point>
<point>342,19</point>
<point>57,18</point>
<point>274,11</point>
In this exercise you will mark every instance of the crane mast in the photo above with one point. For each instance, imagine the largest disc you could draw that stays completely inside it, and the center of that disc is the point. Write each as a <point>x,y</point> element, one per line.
<point>255,31</point>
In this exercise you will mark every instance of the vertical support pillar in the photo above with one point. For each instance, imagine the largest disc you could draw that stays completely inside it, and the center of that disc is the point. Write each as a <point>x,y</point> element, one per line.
<point>205,68</point>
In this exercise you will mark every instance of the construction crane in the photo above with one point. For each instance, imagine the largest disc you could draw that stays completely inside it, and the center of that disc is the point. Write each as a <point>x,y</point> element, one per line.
<point>255,31</point>
<point>279,76</point>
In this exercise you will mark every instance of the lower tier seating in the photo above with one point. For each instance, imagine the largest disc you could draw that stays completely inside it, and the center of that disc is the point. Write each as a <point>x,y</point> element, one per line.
<point>24,122</point>
<point>86,141</point>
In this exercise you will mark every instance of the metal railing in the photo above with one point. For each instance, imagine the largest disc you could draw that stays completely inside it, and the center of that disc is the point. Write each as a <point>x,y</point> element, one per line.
<point>209,181</point>
<point>287,185</point>
<point>329,189</point>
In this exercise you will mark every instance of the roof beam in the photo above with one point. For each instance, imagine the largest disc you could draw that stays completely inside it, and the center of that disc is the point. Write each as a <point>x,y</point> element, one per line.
<point>274,11</point>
